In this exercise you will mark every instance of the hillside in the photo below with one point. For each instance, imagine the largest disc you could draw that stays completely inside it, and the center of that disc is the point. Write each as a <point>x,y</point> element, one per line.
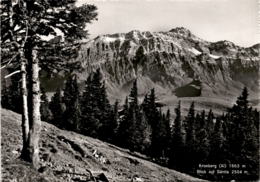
<point>67,156</point>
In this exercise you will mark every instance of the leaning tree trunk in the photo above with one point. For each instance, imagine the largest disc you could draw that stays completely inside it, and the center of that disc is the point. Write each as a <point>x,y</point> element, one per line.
<point>34,115</point>
<point>25,119</point>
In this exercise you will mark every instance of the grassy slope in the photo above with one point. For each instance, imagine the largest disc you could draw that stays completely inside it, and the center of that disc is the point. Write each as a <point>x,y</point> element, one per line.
<point>64,152</point>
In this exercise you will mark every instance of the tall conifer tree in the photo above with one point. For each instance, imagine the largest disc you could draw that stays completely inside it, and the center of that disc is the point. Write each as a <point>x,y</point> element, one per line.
<point>57,108</point>
<point>189,121</point>
<point>71,100</point>
<point>124,125</point>
<point>45,111</point>
<point>177,146</point>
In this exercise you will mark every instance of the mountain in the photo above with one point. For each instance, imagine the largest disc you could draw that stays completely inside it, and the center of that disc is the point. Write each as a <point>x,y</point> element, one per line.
<point>68,156</point>
<point>178,64</point>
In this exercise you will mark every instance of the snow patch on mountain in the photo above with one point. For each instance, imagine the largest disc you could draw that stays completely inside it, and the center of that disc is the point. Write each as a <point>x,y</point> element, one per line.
<point>195,51</point>
<point>214,56</point>
<point>195,86</point>
<point>112,39</point>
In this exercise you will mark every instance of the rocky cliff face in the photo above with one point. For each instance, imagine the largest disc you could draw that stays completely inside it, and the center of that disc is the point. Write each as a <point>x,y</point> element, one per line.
<point>176,63</point>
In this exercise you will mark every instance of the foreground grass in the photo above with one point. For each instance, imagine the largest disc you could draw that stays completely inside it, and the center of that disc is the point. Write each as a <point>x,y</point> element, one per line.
<point>67,156</point>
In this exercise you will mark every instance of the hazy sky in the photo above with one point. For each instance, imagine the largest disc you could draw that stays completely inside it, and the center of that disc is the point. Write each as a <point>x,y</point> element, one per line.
<point>212,20</point>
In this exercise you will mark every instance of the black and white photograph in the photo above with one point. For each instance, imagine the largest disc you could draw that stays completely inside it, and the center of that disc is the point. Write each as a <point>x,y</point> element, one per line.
<point>130,90</point>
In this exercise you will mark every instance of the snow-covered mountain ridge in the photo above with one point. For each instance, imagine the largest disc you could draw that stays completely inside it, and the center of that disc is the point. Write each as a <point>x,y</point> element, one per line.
<point>174,59</point>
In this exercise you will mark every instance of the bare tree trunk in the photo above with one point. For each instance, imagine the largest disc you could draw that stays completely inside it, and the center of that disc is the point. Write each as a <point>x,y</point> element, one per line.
<point>25,119</point>
<point>34,119</point>
<point>31,123</point>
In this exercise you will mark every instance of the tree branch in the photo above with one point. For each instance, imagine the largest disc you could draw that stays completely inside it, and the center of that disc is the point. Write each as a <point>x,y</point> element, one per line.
<point>26,35</point>
<point>13,73</point>
<point>7,63</point>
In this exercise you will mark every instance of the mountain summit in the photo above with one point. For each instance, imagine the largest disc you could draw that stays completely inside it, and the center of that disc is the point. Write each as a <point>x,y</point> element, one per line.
<point>181,30</point>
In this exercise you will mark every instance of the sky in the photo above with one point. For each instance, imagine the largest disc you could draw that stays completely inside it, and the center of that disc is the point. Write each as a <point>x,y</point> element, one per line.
<point>212,20</point>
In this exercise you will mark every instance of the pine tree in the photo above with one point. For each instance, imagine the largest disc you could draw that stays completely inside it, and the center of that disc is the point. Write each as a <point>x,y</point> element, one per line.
<point>190,139</point>
<point>251,148</point>
<point>160,138</point>
<point>243,135</point>
<point>11,95</point>
<point>106,117</point>
<point>189,126</point>
<point>242,100</point>
<point>152,113</point>
<point>124,125</point>
<point>71,116</point>
<point>97,113</point>
<point>177,146</point>
<point>133,97</point>
<point>202,146</point>
<point>217,142</point>
<point>210,121</point>
<point>5,97</point>
<point>98,93</point>
<point>238,122</point>
<point>145,133</point>
<point>153,116</point>
<point>86,106</point>
<point>200,120</point>
<point>131,118</point>
<point>256,118</point>
<point>90,111</point>
<point>134,130</point>
<point>139,137</point>
<point>168,133</point>
<point>115,122</point>
<point>132,133</point>
<point>46,114</point>
<point>57,108</point>
<point>145,104</point>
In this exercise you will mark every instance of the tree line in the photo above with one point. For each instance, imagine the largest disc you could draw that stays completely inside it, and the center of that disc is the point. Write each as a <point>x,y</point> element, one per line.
<point>181,143</point>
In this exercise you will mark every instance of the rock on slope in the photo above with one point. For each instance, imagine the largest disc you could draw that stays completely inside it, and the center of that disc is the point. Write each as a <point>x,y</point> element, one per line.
<point>68,156</point>
<point>177,64</point>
